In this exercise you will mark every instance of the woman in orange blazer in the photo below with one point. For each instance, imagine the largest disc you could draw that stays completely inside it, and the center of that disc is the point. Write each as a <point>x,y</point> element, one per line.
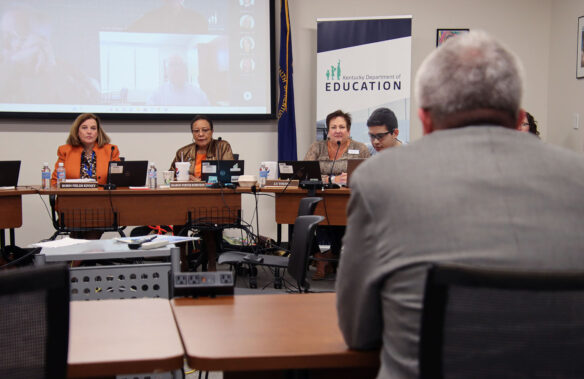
<point>87,152</point>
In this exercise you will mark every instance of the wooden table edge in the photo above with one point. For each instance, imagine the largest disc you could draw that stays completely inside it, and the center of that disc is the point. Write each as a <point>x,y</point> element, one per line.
<point>159,365</point>
<point>366,359</point>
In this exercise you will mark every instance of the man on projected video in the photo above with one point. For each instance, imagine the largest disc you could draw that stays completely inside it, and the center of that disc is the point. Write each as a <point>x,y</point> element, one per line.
<point>177,90</point>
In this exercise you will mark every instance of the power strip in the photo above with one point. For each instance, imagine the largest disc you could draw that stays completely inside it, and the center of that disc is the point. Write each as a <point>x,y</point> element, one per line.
<point>203,283</point>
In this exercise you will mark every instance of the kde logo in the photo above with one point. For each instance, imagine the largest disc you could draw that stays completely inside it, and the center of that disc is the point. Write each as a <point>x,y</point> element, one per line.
<point>334,72</point>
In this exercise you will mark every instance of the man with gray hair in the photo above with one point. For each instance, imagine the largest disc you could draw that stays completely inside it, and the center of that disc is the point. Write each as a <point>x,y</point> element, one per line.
<point>472,191</point>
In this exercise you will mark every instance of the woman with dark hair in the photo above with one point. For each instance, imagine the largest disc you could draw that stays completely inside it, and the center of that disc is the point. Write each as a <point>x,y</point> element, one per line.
<point>338,144</point>
<point>87,153</point>
<point>529,124</point>
<point>204,147</point>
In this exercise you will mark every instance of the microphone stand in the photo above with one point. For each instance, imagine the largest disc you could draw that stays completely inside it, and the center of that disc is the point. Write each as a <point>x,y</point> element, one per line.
<point>330,183</point>
<point>217,184</point>
<point>110,186</point>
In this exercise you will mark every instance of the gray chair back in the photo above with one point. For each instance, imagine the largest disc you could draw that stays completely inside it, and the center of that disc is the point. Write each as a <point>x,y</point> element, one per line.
<point>307,205</point>
<point>479,323</point>
<point>34,322</point>
<point>302,244</point>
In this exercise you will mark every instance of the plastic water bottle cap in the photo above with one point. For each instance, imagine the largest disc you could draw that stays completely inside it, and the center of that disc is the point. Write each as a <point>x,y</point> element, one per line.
<point>60,164</point>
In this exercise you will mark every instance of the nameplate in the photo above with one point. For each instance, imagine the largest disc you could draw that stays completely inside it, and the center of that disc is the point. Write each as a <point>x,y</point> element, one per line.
<point>282,183</point>
<point>78,185</point>
<point>177,184</point>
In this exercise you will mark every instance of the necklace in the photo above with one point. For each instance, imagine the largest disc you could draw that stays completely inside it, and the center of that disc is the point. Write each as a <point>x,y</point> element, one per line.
<point>332,149</point>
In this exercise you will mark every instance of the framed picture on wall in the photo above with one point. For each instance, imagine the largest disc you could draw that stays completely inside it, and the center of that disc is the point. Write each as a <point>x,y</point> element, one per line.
<point>580,49</point>
<point>443,34</point>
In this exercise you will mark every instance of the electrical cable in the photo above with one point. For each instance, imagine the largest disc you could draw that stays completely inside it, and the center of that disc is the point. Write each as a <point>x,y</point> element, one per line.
<point>33,251</point>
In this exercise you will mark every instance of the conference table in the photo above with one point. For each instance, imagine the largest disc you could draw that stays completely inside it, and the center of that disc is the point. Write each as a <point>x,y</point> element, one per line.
<point>257,336</point>
<point>11,211</point>
<point>131,336</point>
<point>99,208</point>
<point>333,206</point>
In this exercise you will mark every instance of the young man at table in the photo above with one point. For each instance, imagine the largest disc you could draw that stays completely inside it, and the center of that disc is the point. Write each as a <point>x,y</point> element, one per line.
<point>383,130</point>
<point>472,191</point>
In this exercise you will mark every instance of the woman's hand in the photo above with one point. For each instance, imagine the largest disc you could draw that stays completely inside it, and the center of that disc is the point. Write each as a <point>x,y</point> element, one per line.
<point>341,179</point>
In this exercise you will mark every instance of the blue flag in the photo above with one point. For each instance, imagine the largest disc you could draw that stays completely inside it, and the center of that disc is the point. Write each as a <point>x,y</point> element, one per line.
<point>286,117</point>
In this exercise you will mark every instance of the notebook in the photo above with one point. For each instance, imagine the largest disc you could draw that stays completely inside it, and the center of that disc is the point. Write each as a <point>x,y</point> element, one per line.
<point>9,171</point>
<point>351,166</point>
<point>302,170</point>
<point>223,172</point>
<point>128,173</point>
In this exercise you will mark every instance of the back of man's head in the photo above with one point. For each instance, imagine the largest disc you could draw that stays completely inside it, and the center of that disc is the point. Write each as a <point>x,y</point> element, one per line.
<point>383,116</point>
<point>471,78</point>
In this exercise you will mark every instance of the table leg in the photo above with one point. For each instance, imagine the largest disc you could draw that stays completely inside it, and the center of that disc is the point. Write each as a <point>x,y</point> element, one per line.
<point>210,245</point>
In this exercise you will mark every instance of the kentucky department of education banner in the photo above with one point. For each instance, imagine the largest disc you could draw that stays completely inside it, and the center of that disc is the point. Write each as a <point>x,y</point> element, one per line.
<point>364,64</point>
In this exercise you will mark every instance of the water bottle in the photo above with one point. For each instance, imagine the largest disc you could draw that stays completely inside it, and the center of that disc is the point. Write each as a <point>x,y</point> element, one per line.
<point>263,175</point>
<point>46,176</point>
<point>60,174</point>
<point>152,176</point>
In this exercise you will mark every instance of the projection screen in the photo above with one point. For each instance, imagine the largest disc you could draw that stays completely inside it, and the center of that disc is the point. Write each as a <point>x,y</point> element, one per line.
<point>148,58</point>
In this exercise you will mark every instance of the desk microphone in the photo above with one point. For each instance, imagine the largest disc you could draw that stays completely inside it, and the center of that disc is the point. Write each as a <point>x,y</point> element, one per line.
<point>217,184</point>
<point>296,175</point>
<point>331,184</point>
<point>219,139</point>
<point>110,185</point>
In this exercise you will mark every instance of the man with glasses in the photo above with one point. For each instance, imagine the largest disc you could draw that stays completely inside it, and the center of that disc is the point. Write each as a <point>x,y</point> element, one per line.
<point>383,130</point>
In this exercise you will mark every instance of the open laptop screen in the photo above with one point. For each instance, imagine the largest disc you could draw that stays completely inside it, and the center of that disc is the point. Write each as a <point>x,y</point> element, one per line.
<point>301,170</point>
<point>352,164</point>
<point>224,172</point>
<point>9,171</point>
<point>128,173</point>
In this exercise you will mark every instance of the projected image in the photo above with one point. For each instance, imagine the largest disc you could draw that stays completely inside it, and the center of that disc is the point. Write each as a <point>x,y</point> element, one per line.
<point>247,22</point>
<point>161,69</point>
<point>247,44</point>
<point>247,65</point>
<point>135,56</point>
<point>32,70</point>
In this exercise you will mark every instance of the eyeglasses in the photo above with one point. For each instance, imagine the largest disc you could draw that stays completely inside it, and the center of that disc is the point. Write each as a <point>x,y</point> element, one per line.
<point>204,131</point>
<point>378,136</point>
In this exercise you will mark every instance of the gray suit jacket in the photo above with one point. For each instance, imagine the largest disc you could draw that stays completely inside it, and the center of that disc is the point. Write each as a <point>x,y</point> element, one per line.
<point>480,195</point>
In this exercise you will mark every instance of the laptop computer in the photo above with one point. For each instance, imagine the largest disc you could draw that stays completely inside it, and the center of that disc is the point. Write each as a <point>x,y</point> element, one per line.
<point>128,173</point>
<point>301,170</point>
<point>9,171</point>
<point>222,172</point>
<point>351,166</point>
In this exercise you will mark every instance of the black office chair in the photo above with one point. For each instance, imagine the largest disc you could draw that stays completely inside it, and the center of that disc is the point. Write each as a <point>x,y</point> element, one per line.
<point>34,322</point>
<point>306,207</point>
<point>296,264</point>
<point>479,323</point>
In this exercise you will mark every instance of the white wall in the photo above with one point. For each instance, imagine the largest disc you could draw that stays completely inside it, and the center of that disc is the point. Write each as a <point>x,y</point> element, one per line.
<point>525,26</point>
<point>566,93</point>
